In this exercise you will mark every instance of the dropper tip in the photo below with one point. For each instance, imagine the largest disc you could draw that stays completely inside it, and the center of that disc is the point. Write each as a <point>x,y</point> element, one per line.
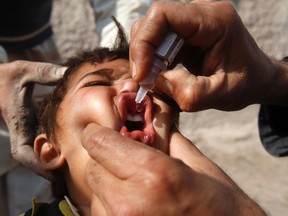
<point>141,94</point>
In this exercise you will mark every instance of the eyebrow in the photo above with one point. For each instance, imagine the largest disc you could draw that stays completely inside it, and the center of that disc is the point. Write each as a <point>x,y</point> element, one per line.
<point>105,72</point>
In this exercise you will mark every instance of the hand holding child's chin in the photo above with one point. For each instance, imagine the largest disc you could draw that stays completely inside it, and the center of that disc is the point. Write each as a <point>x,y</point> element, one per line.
<point>128,178</point>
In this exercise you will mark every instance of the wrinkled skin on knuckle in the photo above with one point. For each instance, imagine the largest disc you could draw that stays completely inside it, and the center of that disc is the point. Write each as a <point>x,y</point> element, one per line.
<point>156,176</point>
<point>165,185</point>
<point>152,180</point>
<point>43,69</point>
<point>188,99</point>
<point>151,174</point>
<point>48,71</point>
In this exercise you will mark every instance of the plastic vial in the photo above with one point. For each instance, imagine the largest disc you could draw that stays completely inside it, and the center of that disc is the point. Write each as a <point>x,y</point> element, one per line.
<point>164,56</point>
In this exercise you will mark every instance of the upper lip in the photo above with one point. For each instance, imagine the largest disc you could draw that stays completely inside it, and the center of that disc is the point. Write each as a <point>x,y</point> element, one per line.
<point>136,118</point>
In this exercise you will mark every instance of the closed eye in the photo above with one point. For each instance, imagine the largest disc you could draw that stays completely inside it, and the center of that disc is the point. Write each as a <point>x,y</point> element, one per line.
<point>97,83</point>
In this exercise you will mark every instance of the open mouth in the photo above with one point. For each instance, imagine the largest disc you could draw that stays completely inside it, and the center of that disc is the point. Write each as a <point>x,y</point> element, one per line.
<point>134,122</point>
<point>137,118</point>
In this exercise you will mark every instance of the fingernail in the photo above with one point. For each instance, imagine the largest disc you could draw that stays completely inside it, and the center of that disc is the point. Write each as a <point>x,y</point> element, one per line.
<point>134,70</point>
<point>61,71</point>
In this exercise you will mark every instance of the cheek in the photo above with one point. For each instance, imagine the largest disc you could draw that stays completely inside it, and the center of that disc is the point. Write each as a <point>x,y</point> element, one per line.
<point>77,158</point>
<point>90,107</point>
<point>77,162</point>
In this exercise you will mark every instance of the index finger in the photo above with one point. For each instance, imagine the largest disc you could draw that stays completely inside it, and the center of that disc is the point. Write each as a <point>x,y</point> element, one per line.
<point>199,23</point>
<point>160,18</point>
<point>49,72</point>
<point>42,73</point>
<point>122,156</point>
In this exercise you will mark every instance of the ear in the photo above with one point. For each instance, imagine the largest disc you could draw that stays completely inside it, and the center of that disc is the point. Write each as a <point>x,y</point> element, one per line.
<point>48,157</point>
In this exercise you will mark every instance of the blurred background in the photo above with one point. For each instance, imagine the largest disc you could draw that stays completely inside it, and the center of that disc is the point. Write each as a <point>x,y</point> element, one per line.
<point>228,138</point>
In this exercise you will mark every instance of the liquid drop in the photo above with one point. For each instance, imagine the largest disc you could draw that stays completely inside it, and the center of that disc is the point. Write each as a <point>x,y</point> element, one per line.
<point>138,107</point>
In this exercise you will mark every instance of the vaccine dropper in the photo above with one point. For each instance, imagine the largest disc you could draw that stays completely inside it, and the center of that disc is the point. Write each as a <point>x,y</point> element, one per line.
<point>164,56</point>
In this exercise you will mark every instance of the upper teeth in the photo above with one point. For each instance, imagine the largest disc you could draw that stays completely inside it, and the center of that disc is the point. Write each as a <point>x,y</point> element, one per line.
<point>134,117</point>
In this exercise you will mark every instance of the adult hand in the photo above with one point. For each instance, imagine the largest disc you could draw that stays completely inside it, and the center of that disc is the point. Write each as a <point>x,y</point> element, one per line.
<point>130,178</point>
<point>227,70</point>
<point>17,107</point>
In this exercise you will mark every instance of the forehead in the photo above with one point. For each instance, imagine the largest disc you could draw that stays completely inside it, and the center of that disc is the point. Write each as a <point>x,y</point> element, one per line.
<point>119,70</point>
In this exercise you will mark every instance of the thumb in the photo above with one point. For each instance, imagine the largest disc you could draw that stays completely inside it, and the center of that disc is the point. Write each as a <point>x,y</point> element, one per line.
<point>192,93</point>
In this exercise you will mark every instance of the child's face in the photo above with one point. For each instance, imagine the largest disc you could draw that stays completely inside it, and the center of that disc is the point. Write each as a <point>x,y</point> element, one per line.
<point>104,94</point>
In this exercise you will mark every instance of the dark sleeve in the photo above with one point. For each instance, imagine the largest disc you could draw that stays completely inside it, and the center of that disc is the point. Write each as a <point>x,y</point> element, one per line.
<point>273,129</point>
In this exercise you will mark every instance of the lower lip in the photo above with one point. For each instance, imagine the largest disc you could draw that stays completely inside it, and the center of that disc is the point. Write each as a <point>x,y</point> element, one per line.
<point>146,136</point>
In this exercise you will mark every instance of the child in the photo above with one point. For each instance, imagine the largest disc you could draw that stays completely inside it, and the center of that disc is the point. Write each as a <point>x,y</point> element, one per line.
<point>96,88</point>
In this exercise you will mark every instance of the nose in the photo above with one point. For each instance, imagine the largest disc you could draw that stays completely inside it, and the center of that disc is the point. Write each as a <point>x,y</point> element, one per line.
<point>128,85</point>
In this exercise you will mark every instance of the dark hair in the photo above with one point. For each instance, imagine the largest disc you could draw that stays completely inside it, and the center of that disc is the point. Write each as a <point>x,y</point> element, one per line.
<point>48,112</point>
